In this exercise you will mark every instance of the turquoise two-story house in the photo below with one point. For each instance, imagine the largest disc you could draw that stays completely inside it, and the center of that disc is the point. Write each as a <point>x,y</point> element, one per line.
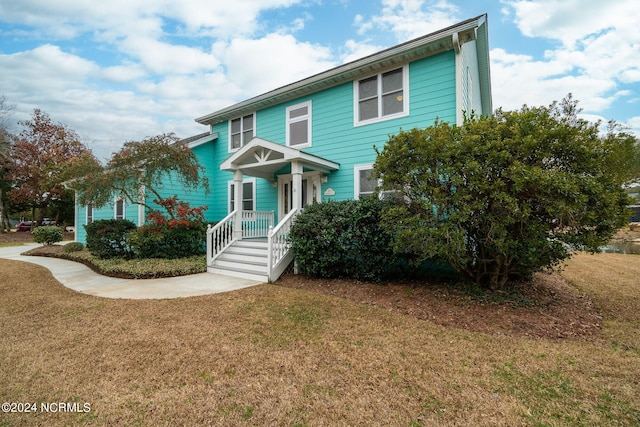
<point>313,140</point>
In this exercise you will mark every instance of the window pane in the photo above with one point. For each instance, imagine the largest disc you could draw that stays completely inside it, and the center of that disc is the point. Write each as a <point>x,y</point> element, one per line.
<point>368,87</point>
<point>367,184</point>
<point>392,103</point>
<point>235,141</point>
<point>120,209</point>
<point>299,112</point>
<point>247,136</point>
<point>298,133</point>
<point>247,122</point>
<point>369,109</point>
<point>247,196</point>
<point>392,81</point>
<point>235,126</point>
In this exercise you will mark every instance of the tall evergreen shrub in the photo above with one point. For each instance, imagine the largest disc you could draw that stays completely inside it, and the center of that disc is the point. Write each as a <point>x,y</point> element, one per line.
<point>342,239</point>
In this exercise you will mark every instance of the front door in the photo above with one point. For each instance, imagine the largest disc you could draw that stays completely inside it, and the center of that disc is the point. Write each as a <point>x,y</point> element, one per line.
<point>310,191</point>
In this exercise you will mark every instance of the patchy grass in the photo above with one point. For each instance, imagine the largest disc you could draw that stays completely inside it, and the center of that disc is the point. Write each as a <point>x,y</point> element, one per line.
<point>613,282</point>
<point>270,355</point>
<point>8,244</point>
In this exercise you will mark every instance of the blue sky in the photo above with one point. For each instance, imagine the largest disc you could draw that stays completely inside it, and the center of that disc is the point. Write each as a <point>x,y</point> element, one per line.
<point>121,70</point>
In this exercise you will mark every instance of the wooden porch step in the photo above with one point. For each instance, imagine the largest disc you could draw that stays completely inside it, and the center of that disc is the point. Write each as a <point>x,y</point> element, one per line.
<point>245,258</point>
<point>238,272</point>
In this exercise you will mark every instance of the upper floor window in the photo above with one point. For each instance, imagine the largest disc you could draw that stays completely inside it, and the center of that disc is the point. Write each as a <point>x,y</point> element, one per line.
<point>119,208</point>
<point>382,96</point>
<point>241,131</point>
<point>299,125</point>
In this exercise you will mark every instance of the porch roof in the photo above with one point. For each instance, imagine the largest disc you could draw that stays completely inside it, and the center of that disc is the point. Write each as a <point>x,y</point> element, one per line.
<point>262,158</point>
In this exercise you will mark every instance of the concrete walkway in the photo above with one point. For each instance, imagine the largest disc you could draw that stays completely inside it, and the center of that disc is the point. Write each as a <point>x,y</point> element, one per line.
<point>81,278</point>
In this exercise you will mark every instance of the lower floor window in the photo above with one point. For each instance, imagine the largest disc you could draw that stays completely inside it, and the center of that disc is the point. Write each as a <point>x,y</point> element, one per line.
<point>364,184</point>
<point>119,208</point>
<point>248,196</point>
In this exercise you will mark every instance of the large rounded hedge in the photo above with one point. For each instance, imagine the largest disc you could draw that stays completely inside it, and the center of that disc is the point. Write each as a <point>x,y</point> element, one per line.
<point>342,239</point>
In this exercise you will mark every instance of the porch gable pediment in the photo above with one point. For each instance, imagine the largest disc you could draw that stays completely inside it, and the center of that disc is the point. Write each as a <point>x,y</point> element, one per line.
<point>263,158</point>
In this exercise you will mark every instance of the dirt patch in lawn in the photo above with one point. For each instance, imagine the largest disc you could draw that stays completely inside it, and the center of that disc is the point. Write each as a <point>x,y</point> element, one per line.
<point>547,307</point>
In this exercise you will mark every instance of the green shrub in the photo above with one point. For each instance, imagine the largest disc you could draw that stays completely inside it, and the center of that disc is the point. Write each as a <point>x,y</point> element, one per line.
<point>501,197</point>
<point>47,235</point>
<point>342,239</point>
<point>169,242</point>
<point>73,247</point>
<point>107,238</point>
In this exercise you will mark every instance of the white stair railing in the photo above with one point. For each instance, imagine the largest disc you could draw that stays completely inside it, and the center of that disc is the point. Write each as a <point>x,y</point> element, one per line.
<point>219,237</point>
<point>279,256</point>
<point>256,223</point>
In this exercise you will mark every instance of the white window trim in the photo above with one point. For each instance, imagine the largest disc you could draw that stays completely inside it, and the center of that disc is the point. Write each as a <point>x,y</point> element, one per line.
<point>299,119</point>
<point>230,192</point>
<point>115,207</point>
<point>356,178</point>
<point>405,98</point>
<point>242,143</point>
<point>89,208</point>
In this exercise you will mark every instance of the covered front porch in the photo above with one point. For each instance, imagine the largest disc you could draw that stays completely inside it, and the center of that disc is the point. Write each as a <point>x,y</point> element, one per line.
<point>248,243</point>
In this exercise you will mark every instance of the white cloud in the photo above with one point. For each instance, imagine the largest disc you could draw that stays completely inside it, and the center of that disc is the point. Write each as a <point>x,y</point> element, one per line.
<point>164,58</point>
<point>43,69</point>
<point>354,50</point>
<point>597,54</point>
<point>519,79</point>
<point>254,66</point>
<point>408,19</point>
<point>634,124</point>
<point>572,20</point>
<point>119,18</point>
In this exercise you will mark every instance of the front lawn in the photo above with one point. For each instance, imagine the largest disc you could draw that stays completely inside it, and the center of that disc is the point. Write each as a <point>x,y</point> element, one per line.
<point>274,355</point>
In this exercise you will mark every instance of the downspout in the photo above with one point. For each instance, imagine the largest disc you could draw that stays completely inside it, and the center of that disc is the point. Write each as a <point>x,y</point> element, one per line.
<point>455,40</point>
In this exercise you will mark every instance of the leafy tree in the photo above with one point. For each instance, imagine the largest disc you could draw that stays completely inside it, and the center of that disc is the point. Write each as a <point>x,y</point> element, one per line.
<point>6,111</point>
<point>502,197</point>
<point>43,156</point>
<point>142,165</point>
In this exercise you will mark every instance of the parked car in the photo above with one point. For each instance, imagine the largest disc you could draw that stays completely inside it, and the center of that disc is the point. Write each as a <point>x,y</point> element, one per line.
<point>49,221</point>
<point>24,226</point>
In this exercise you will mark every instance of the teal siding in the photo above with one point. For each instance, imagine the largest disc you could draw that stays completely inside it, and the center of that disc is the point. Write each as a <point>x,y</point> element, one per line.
<point>432,87</point>
<point>432,94</point>
<point>106,212</point>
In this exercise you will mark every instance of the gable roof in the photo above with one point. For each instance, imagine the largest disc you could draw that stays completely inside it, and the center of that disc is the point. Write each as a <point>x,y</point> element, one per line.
<point>431,44</point>
<point>263,158</point>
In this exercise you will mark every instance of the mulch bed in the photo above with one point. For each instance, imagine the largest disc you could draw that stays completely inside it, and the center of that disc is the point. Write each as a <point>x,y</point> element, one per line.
<point>544,308</point>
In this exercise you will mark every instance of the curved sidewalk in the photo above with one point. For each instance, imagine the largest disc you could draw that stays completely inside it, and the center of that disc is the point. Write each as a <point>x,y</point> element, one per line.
<point>81,278</point>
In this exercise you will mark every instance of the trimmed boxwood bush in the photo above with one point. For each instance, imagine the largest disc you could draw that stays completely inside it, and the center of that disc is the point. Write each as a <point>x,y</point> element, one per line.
<point>48,235</point>
<point>161,241</point>
<point>107,238</point>
<point>343,239</point>
<point>73,247</point>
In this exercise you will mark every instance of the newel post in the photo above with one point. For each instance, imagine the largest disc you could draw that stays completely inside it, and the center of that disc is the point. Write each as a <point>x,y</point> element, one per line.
<point>237,197</point>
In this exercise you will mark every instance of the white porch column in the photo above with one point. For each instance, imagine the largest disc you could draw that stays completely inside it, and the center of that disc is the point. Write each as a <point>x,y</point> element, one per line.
<point>237,197</point>
<point>296,175</point>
